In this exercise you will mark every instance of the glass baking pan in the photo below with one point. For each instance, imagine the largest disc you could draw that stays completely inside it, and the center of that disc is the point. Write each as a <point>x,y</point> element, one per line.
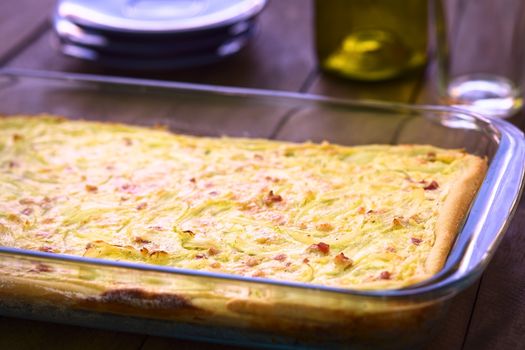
<point>256,311</point>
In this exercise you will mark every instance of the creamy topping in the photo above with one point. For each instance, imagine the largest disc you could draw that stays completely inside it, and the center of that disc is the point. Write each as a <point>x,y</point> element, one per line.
<point>319,213</point>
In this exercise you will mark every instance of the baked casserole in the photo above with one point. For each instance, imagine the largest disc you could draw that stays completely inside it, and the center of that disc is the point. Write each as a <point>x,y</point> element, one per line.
<point>364,217</point>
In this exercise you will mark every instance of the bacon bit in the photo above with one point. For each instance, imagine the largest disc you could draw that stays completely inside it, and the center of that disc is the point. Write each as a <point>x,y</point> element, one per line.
<point>127,141</point>
<point>91,188</point>
<point>251,262</point>
<point>27,211</point>
<point>213,193</point>
<point>258,157</point>
<point>43,268</point>
<point>342,260</point>
<point>432,186</point>
<point>325,227</point>
<point>129,188</point>
<point>416,218</point>
<point>157,228</point>
<point>17,137</point>
<point>306,260</point>
<point>46,249</point>
<point>213,251</point>
<point>391,249</point>
<point>142,206</point>
<point>319,247</point>
<point>272,198</point>
<point>190,232</point>
<point>215,265</point>
<point>431,156</point>
<point>272,179</point>
<point>42,234</point>
<point>416,241</point>
<point>280,257</point>
<point>141,240</point>
<point>157,254</point>
<point>201,256</point>
<point>259,273</point>
<point>45,203</point>
<point>385,275</point>
<point>193,180</point>
<point>398,222</point>
<point>12,164</point>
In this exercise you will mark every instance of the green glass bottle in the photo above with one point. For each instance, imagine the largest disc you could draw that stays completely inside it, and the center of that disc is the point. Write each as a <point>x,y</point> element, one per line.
<point>371,39</point>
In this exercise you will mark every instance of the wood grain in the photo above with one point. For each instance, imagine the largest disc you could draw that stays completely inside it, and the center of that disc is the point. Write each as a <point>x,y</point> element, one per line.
<point>453,330</point>
<point>19,19</point>
<point>498,321</point>
<point>25,334</point>
<point>277,58</point>
<point>162,343</point>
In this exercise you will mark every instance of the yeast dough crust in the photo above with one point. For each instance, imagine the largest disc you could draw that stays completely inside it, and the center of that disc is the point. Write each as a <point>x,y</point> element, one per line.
<point>368,217</point>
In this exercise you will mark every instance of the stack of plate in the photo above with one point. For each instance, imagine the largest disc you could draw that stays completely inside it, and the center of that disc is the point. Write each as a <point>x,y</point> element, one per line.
<point>154,34</point>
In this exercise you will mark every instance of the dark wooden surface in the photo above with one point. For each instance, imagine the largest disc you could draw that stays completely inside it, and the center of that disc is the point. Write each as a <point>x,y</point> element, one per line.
<point>488,315</point>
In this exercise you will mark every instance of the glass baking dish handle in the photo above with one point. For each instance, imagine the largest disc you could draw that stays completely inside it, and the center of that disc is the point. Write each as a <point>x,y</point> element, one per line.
<point>499,196</point>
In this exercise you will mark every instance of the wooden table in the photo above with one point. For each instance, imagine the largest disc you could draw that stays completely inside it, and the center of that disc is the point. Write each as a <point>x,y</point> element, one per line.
<point>488,315</point>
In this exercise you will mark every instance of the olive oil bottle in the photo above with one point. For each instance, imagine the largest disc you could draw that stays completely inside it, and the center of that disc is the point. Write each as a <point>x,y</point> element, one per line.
<point>371,39</point>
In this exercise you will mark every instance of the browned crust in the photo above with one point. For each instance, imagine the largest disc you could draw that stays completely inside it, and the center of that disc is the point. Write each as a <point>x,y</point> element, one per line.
<point>127,301</point>
<point>454,211</point>
<point>360,322</point>
<point>303,317</point>
<point>134,301</point>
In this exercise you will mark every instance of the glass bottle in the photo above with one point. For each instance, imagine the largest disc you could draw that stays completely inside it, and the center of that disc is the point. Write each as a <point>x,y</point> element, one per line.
<point>371,40</point>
